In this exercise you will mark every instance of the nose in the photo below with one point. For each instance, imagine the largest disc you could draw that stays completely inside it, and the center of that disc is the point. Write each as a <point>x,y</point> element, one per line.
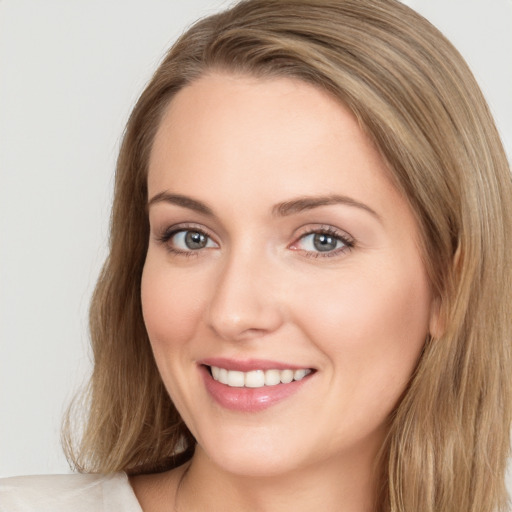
<point>245,303</point>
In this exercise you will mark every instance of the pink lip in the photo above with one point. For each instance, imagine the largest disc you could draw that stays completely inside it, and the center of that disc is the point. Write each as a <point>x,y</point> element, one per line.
<point>248,399</point>
<point>248,364</point>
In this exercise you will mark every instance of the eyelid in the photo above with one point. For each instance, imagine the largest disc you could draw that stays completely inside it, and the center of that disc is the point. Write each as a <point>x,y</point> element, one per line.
<point>167,231</point>
<point>324,228</point>
<point>347,239</point>
<point>164,236</point>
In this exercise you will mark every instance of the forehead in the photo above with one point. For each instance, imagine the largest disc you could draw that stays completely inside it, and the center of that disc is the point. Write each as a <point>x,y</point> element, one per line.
<point>221,110</point>
<point>266,137</point>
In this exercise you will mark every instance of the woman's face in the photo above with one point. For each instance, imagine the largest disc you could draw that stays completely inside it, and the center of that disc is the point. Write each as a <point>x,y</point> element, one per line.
<point>279,250</point>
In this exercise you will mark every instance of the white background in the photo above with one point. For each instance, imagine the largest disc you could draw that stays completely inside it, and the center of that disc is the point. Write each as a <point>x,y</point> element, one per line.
<point>70,71</point>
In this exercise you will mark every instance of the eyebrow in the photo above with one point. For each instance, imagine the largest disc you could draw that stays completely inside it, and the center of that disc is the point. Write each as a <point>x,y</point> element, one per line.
<point>308,203</point>
<point>279,210</point>
<point>181,200</point>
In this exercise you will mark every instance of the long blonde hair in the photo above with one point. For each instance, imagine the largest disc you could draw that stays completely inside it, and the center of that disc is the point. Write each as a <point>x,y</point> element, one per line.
<point>415,97</point>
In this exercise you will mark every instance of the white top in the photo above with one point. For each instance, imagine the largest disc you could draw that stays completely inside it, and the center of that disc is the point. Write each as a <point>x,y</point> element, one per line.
<point>68,493</point>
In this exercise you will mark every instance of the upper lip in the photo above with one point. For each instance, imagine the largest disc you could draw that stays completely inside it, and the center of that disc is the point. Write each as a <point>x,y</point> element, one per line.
<point>247,365</point>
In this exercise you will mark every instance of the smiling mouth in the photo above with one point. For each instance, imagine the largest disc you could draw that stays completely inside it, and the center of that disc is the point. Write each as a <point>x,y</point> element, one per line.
<point>256,378</point>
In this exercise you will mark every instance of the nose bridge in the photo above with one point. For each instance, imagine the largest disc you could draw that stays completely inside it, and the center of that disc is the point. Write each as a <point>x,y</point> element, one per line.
<point>244,303</point>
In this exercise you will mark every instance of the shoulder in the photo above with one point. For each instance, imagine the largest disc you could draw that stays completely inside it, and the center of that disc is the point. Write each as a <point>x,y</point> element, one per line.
<point>63,493</point>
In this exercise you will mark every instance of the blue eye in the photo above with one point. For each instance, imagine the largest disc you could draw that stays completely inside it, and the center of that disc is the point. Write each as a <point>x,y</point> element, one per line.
<point>186,240</point>
<point>320,243</point>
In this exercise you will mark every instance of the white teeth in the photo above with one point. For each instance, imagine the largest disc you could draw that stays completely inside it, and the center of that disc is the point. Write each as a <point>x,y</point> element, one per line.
<point>286,376</point>
<point>272,377</point>
<point>257,378</point>
<point>254,379</point>
<point>223,376</point>
<point>236,379</point>
<point>299,374</point>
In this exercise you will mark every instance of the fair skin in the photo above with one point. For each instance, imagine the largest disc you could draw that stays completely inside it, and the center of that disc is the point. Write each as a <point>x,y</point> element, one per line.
<point>277,241</point>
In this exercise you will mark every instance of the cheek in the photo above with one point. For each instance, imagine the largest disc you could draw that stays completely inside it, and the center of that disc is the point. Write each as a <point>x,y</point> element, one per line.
<point>372,325</point>
<point>172,312</point>
<point>372,330</point>
<point>170,305</point>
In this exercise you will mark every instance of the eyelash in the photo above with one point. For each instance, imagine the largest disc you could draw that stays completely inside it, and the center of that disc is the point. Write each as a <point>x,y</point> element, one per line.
<point>347,241</point>
<point>166,236</point>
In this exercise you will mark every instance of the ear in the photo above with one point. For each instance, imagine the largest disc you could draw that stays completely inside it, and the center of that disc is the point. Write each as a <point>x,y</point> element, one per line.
<point>439,311</point>
<point>437,324</point>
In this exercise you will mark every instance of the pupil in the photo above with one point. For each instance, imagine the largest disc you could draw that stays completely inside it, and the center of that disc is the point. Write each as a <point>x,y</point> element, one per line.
<point>195,240</point>
<point>323,242</point>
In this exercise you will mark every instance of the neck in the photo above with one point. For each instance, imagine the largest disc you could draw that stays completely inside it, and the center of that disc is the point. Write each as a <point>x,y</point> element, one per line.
<point>347,485</point>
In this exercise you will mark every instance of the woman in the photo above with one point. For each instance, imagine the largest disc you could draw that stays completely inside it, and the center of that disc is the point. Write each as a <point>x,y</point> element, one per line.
<point>307,298</point>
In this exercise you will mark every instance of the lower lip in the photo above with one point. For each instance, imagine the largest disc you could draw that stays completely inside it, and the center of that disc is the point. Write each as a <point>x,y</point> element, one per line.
<point>249,399</point>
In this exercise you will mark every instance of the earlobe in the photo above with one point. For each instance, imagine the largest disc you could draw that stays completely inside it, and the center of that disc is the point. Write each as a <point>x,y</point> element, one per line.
<point>439,307</point>
<point>436,326</point>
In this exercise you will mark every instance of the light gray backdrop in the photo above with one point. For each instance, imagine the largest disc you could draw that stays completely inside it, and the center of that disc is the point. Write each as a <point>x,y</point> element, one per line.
<point>69,73</point>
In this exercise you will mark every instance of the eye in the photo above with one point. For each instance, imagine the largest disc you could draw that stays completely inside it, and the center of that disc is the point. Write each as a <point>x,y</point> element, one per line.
<point>325,242</point>
<point>187,240</point>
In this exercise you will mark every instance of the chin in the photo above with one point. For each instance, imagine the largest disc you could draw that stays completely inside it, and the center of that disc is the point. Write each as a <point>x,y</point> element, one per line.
<point>256,464</point>
<point>253,456</point>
